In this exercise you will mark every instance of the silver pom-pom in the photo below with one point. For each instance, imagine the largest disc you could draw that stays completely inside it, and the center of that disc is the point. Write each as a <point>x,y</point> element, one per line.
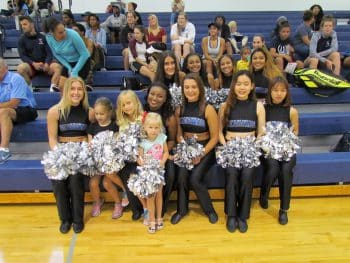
<point>62,161</point>
<point>176,95</point>
<point>239,153</point>
<point>86,160</point>
<point>148,179</point>
<point>279,142</point>
<point>216,97</point>
<point>186,151</point>
<point>107,152</point>
<point>128,141</point>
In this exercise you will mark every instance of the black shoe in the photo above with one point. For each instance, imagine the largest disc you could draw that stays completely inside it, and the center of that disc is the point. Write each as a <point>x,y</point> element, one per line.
<point>136,215</point>
<point>282,217</point>
<point>65,227</point>
<point>176,218</point>
<point>231,224</point>
<point>242,225</point>
<point>78,228</point>
<point>264,203</point>
<point>213,217</point>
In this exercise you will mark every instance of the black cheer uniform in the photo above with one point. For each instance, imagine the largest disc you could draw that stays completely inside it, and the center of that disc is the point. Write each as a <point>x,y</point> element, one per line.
<point>274,169</point>
<point>239,182</point>
<point>69,193</point>
<point>192,121</point>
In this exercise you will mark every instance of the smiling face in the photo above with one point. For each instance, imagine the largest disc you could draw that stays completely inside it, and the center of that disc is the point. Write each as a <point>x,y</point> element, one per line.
<point>278,93</point>
<point>258,42</point>
<point>128,105</point>
<point>169,66</point>
<point>226,66</point>
<point>76,93</point>
<point>191,90</point>
<point>243,87</point>
<point>258,60</point>
<point>156,98</point>
<point>194,63</point>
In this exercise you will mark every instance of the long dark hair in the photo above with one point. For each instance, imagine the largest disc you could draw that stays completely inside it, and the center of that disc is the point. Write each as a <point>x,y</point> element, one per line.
<point>160,74</point>
<point>232,97</point>
<point>50,24</point>
<point>279,81</point>
<point>202,72</point>
<point>201,99</point>
<point>167,109</point>
<point>318,18</point>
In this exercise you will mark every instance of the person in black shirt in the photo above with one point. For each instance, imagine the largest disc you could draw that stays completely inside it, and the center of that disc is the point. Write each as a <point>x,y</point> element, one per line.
<point>132,8</point>
<point>126,34</point>
<point>36,55</point>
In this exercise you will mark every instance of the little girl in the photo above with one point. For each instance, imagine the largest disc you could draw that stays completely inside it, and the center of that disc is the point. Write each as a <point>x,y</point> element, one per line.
<point>155,147</point>
<point>129,111</point>
<point>243,63</point>
<point>103,109</point>
<point>279,109</point>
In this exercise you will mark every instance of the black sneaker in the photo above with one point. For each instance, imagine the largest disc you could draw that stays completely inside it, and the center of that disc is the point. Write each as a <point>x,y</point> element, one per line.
<point>231,224</point>
<point>65,227</point>
<point>283,217</point>
<point>264,203</point>
<point>213,217</point>
<point>176,218</point>
<point>242,225</point>
<point>78,227</point>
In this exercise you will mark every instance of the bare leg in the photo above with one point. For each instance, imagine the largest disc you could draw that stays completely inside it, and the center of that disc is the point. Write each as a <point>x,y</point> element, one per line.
<point>55,71</point>
<point>335,58</point>
<point>126,58</point>
<point>7,116</point>
<point>95,188</point>
<point>25,71</point>
<point>111,189</point>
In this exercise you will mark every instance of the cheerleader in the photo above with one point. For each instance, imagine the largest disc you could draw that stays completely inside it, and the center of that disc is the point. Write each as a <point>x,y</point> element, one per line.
<point>278,109</point>
<point>196,119</point>
<point>240,116</point>
<point>68,121</point>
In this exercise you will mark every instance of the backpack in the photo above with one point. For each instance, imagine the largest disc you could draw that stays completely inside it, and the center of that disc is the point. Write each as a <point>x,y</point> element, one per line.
<point>132,83</point>
<point>343,145</point>
<point>319,83</point>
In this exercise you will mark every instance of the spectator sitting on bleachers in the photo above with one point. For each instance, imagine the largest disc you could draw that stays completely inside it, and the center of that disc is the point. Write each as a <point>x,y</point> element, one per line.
<point>235,37</point>
<point>17,105</point>
<point>137,54</point>
<point>324,47</point>
<point>177,6</point>
<point>213,48</point>
<point>318,15</point>
<point>80,29</point>
<point>85,21</point>
<point>114,23</point>
<point>36,55</point>
<point>182,36</point>
<point>258,41</point>
<point>224,30</point>
<point>68,48</point>
<point>22,8</point>
<point>132,8</point>
<point>11,7</point>
<point>263,68</point>
<point>302,36</point>
<point>98,36</point>
<point>155,34</point>
<point>279,21</point>
<point>126,35</point>
<point>243,63</point>
<point>68,18</point>
<point>281,48</point>
<point>44,8</point>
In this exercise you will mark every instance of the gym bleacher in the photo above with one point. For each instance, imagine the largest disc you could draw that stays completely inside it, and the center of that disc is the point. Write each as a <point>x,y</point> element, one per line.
<point>322,120</point>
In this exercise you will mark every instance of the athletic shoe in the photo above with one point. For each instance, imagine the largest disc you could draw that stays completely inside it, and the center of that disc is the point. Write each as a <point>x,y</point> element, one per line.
<point>4,156</point>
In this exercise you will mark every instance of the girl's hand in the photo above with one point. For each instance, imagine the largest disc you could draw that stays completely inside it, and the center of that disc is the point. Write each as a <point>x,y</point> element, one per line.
<point>196,160</point>
<point>140,161</point>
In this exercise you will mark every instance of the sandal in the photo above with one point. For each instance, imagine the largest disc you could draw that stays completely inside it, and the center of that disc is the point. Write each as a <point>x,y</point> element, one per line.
<point>152,228</point>
<point>159,223</point>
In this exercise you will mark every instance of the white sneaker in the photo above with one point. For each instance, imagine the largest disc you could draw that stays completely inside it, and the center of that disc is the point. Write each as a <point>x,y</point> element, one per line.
<point>152,50</point>
<point>54,88</point>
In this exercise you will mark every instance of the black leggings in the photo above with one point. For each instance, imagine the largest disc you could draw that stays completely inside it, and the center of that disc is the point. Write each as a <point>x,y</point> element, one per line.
<point>169,183</point>
<point>124,174</point>
<point>238,191</point>
<point>69,195</point>
<point>284,172</point>
<point>195,179</point>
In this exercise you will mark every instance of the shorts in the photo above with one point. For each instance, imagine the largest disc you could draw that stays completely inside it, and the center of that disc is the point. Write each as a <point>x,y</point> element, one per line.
<point>83,73</point>
<point>25,114</point>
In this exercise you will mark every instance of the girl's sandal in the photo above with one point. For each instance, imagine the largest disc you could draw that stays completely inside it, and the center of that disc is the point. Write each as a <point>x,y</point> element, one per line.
<point>160,223</point>
<point>152,228</point>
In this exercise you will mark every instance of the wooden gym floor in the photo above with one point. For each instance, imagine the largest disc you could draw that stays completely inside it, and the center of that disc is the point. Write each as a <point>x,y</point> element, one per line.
<point>318,231</point>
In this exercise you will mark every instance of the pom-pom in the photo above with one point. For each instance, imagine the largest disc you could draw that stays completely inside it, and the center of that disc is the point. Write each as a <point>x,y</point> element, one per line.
<point>176,95</point>
<point>62,161</point>
<point>186,151</point>
<point>148,179</point>
<point>216,97</point>
<point>239,153</point>
<point>128,141</point>
<point>279,142</point>
<point>86,160</point>
<point>107,152</point>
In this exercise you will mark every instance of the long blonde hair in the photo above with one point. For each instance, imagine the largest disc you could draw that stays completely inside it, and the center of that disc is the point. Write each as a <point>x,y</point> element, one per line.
<point>122,118</point>
<point>156,18</point>
<point>65,103</point>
